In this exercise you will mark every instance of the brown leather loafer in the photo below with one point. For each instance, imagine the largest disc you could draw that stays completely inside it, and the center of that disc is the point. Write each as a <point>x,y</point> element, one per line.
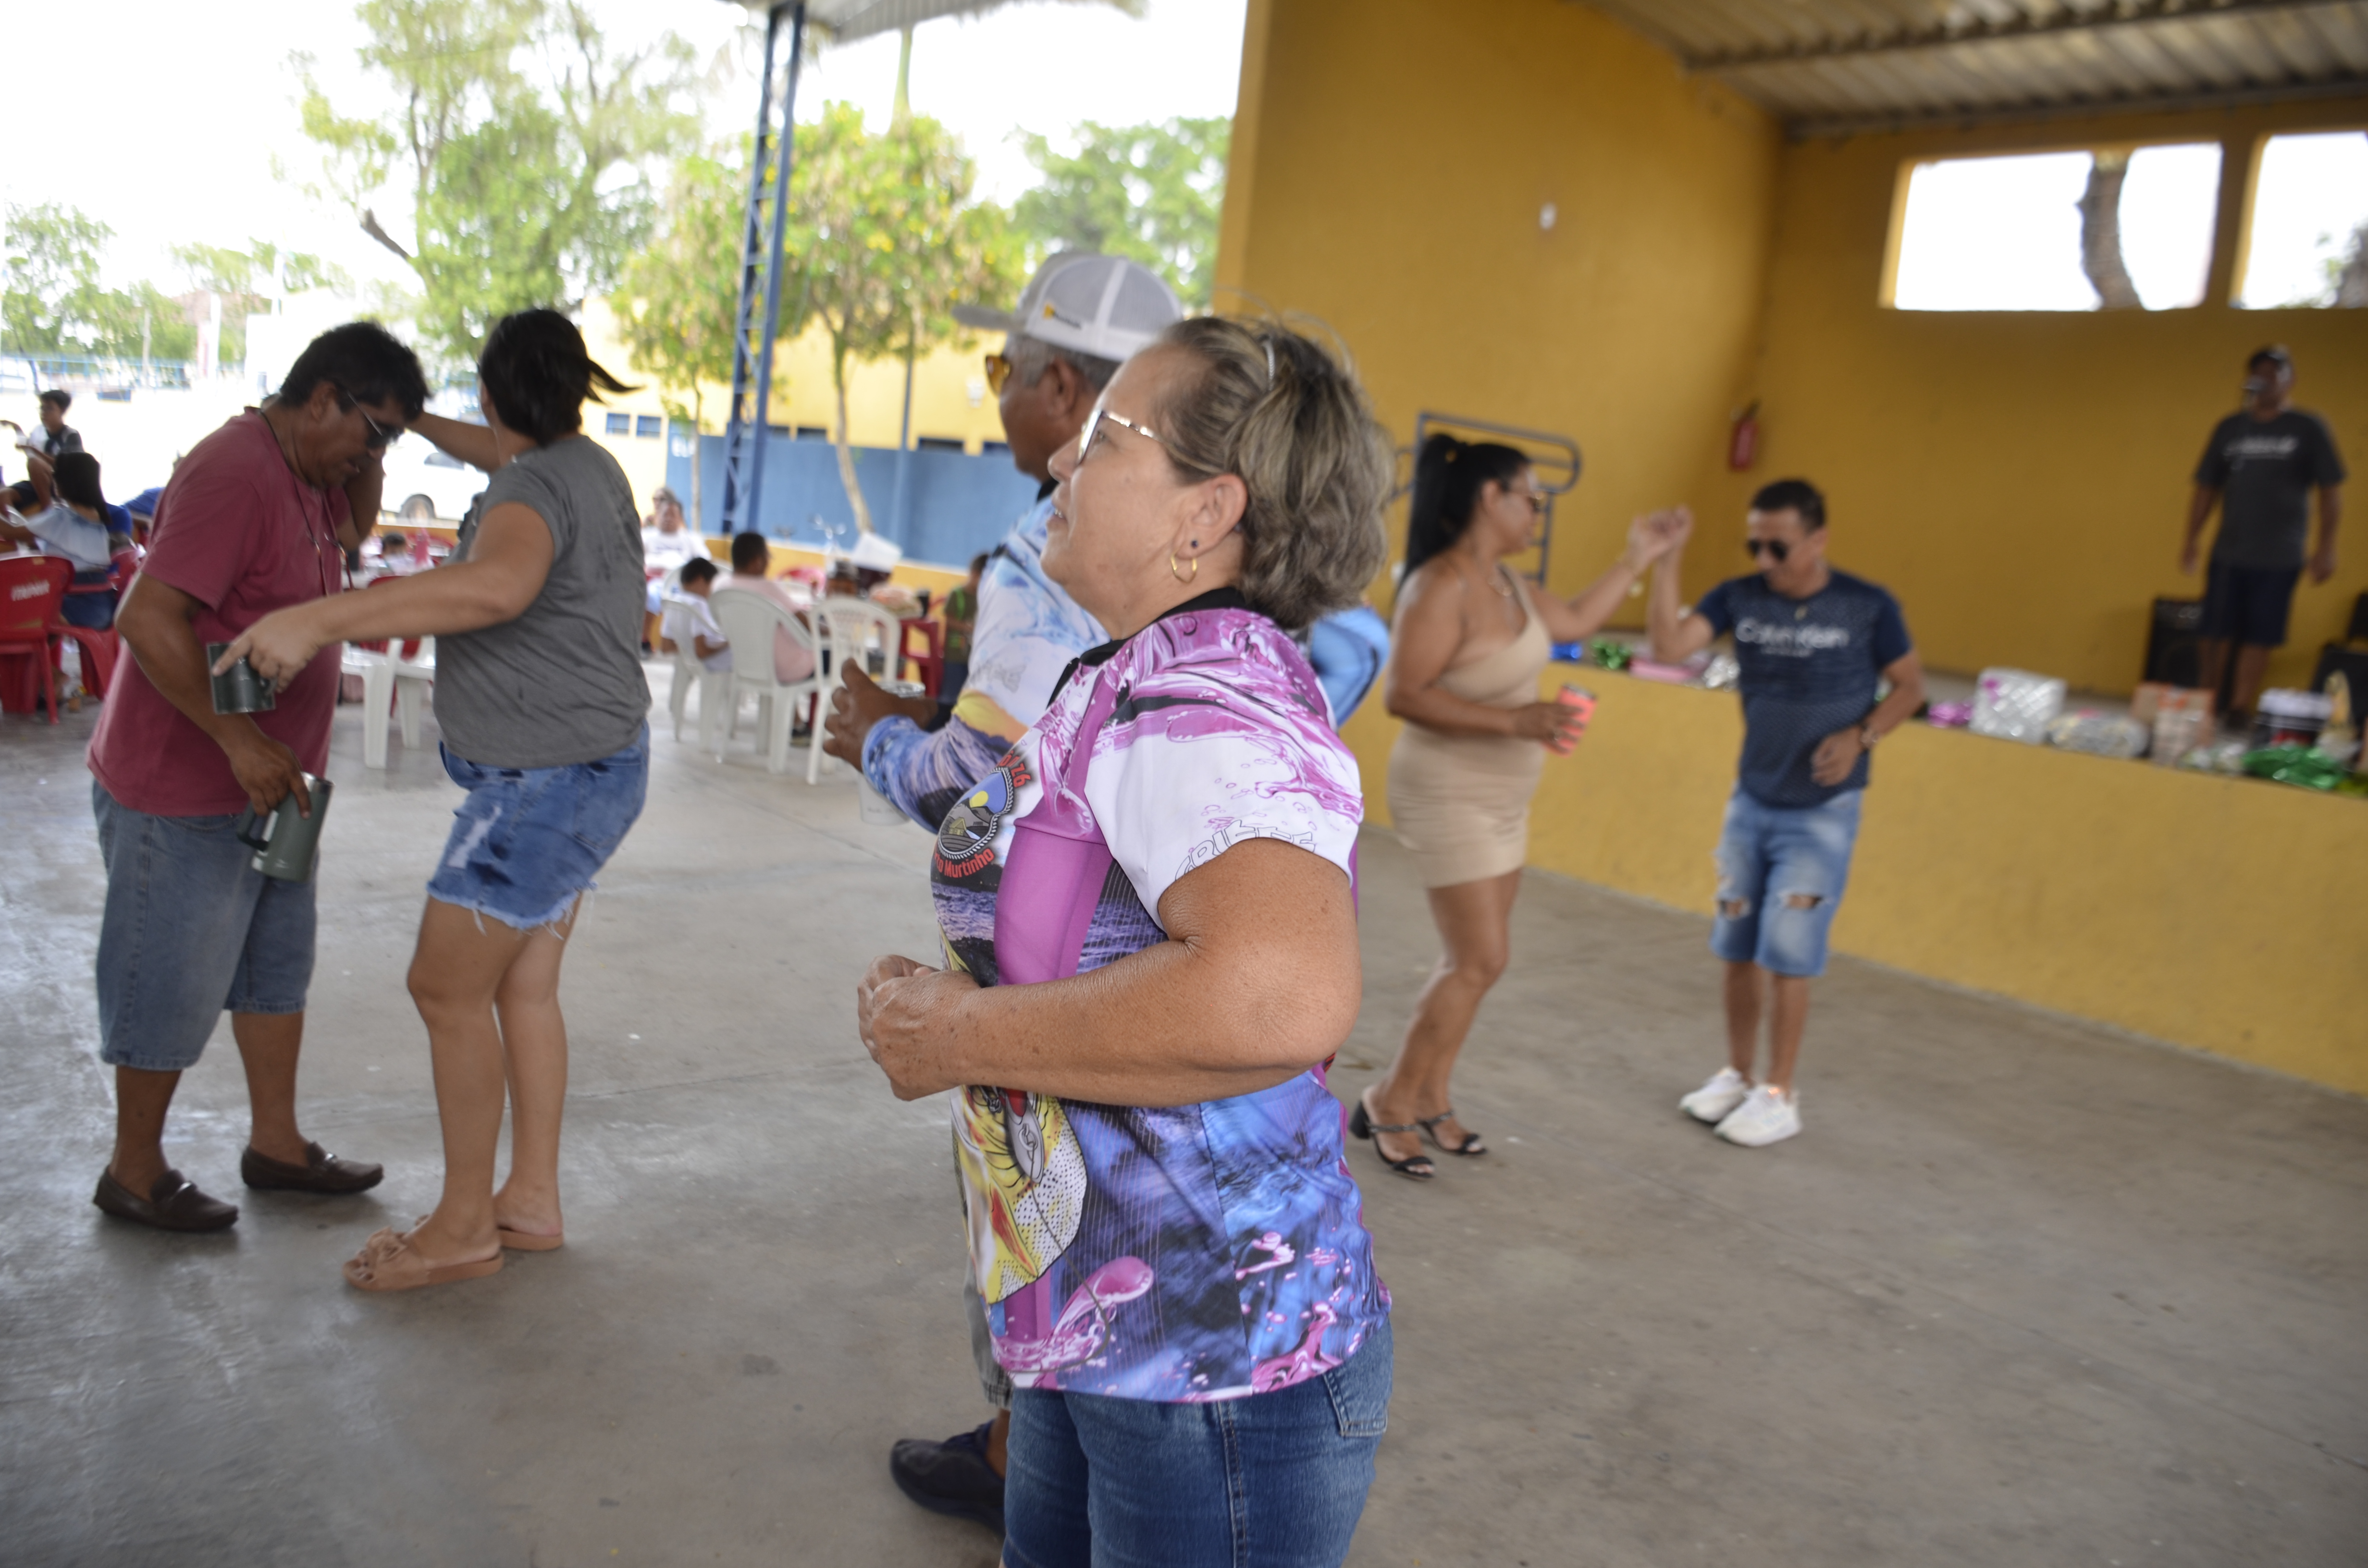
<point>173,1204</point>
<point>321,1172</point>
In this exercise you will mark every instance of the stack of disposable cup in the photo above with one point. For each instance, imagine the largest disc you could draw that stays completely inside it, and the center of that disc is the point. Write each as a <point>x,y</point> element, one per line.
<point>875,807</point>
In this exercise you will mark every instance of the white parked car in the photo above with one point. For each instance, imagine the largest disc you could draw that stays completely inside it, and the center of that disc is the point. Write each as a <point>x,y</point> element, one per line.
<point>423,486</point>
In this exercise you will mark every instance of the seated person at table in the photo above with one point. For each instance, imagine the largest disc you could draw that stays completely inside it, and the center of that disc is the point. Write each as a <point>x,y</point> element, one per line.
<point>689,620</point>
<point>60,511</point>
<point>752,559</point>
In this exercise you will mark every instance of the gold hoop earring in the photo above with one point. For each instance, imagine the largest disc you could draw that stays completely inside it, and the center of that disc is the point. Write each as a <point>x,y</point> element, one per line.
<point>1182,576</point>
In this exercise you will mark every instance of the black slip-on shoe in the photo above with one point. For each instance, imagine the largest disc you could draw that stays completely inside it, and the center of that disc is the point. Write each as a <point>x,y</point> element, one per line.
<point>321,1172</point>
<point>951,1477</point>
<point>173,1204</point>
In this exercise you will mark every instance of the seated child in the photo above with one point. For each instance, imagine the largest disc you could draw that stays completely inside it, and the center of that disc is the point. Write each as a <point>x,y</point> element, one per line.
<point>689,620</point>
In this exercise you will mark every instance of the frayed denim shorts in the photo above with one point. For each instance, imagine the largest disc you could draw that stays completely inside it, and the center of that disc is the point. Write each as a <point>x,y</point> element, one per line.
<point>1781,876</point>
<point>528,841</point>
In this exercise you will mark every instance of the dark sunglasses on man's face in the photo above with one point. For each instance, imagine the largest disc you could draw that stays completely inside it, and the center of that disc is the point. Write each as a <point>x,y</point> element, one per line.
<point>1774,547</point>
<point>380,436</point>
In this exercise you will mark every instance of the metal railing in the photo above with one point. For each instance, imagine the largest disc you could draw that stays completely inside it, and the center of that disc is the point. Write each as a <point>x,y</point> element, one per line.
<point>1556,460</point>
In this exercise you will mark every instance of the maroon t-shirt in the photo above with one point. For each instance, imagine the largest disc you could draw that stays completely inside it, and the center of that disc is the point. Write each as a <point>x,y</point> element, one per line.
<point>241,535</point>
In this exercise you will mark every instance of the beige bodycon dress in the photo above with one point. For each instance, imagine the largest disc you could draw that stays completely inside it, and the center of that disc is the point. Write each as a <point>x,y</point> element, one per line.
<point>1461,803</point>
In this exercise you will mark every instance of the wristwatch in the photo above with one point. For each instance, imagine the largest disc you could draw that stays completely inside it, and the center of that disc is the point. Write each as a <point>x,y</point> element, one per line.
<point>1867,737</point>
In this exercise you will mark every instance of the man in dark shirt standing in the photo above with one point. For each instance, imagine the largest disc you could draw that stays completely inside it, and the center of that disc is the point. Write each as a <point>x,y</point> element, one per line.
<point>2259,469</point>
<point>1813,642</point>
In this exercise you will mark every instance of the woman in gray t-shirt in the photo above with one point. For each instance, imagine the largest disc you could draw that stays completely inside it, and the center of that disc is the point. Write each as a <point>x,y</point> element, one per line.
<point>543,703</point>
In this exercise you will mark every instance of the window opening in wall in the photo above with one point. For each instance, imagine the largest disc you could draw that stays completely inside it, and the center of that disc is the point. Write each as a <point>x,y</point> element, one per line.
<point>2309,240</point>
<point>648,425</point>
<point>2112,229</point>
<point>620,425</point>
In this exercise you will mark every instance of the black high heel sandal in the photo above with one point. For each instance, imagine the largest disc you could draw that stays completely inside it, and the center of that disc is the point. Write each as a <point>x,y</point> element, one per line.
<point>1471,1148</point>
<point>1415,1167</point>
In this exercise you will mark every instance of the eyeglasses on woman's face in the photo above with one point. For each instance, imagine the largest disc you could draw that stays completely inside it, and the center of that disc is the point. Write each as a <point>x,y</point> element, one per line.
<point>1093,423</point>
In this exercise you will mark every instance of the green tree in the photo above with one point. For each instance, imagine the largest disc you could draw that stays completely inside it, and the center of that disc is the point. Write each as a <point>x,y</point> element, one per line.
<point>884,241</point>
<point>51,298</point>
<point>680,297</point>
<point>1150,193</point>
<point>526,142</point>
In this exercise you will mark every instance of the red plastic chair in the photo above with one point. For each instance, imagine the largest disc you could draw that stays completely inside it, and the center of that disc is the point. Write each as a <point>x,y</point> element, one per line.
<point>101,646</point>
<point>31,589</point>
<point>931,661</point>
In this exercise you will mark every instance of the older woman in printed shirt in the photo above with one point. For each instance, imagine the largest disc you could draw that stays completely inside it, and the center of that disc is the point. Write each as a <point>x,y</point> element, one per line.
<point>1150,949</point>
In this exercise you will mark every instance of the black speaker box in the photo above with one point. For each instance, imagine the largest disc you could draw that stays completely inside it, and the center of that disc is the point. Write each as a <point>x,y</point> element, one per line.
<point>2172,655</point>
<point>2353,663</point>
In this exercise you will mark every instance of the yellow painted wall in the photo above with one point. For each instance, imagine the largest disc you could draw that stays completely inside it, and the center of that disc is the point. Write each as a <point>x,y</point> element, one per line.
<point>1390,161</point>
<point>2220,914</point>
<point>2019,478</point>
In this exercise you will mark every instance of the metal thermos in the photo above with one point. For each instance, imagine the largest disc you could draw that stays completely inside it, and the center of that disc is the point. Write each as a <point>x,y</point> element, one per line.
<point>239,689</point>
<point>290,845</point>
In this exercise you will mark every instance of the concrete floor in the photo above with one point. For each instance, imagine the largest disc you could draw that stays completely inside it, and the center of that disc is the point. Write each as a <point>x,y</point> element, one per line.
<point>2027,1292</point>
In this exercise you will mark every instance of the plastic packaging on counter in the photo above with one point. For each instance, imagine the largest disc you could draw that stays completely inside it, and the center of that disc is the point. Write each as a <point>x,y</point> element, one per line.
<point>2296,765</point>
<point>1949,715</point>
<point>2099,735</point>
<point>2016,705</point>
<point>1722,671</point>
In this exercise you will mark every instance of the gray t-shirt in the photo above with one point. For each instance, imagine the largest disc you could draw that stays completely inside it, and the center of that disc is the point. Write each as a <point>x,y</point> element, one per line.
<point>561,684</point>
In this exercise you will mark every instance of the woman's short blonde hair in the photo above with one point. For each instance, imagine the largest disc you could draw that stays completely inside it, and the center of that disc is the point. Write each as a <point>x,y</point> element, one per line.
<point>1283,413</point>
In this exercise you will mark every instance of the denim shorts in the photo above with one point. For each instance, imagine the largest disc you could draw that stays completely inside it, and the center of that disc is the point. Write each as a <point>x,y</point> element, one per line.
<point>1277,1479</point>
<point>528,841</point>
<point>1780,875</point>
<point>190,929</point>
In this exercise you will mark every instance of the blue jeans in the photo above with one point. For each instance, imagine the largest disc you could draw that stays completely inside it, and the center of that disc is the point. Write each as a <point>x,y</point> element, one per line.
<point>192,929</point>
<point>528,841</point>
<point>1275,1480</point>
<point>1780,875</point>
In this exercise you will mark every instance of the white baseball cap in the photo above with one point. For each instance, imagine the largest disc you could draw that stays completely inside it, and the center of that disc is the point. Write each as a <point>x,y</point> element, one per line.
<point>1102,305</point>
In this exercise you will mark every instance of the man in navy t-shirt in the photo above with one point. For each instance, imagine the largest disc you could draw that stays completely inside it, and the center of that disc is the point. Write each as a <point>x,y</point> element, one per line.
<point>1813,642</point>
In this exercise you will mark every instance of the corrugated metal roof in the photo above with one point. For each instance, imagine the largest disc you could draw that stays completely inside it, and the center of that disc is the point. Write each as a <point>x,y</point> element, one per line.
<point>1829,66</point>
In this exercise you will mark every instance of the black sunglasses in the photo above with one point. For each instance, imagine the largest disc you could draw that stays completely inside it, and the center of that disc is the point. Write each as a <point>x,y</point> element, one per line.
<point>380,436</point>
<point>1775,547</point>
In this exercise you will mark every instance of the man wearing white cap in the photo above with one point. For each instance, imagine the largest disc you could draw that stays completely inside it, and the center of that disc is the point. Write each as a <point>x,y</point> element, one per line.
<point>1078,320</point>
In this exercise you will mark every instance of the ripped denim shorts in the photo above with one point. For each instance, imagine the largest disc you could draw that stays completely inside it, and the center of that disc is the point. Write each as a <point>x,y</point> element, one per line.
<point>1780,875</point>
<point>528,841</point>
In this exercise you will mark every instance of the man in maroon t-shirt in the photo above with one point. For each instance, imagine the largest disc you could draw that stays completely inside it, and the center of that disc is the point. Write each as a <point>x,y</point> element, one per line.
<point>258,517</point>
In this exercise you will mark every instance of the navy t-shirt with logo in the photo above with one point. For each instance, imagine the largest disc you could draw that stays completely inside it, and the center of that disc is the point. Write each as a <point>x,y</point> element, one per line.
<point>2264,470</point>
<point>1810,669</point>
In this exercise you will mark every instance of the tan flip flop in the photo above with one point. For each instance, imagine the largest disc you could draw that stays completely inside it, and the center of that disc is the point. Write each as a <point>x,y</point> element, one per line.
<point>519,1240</point>
<point>388,1263</point>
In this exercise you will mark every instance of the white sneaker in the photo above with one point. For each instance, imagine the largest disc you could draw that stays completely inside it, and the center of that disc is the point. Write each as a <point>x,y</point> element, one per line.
<point>1715,1100</point>
<point>1765,1116</point>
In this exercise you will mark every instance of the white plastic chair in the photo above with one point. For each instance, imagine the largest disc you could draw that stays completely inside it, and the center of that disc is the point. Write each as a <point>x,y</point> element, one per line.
<point>854,630</point>
<point>715,688</point>
<point>749,621</point>
<point>389,678</point>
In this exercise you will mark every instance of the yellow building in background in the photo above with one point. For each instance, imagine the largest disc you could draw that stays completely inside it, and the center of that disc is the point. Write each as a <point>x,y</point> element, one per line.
<point>952,406</point>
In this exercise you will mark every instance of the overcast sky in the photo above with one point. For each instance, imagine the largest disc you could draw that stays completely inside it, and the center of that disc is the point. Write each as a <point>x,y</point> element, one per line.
<point>192,103</point>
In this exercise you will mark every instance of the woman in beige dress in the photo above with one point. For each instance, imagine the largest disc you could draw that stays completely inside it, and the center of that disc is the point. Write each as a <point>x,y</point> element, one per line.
<point>1470,642</point>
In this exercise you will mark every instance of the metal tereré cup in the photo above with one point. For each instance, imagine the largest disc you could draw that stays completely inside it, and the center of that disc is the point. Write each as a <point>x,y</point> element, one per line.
<point>239,689</point>
<point>290,845</point>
